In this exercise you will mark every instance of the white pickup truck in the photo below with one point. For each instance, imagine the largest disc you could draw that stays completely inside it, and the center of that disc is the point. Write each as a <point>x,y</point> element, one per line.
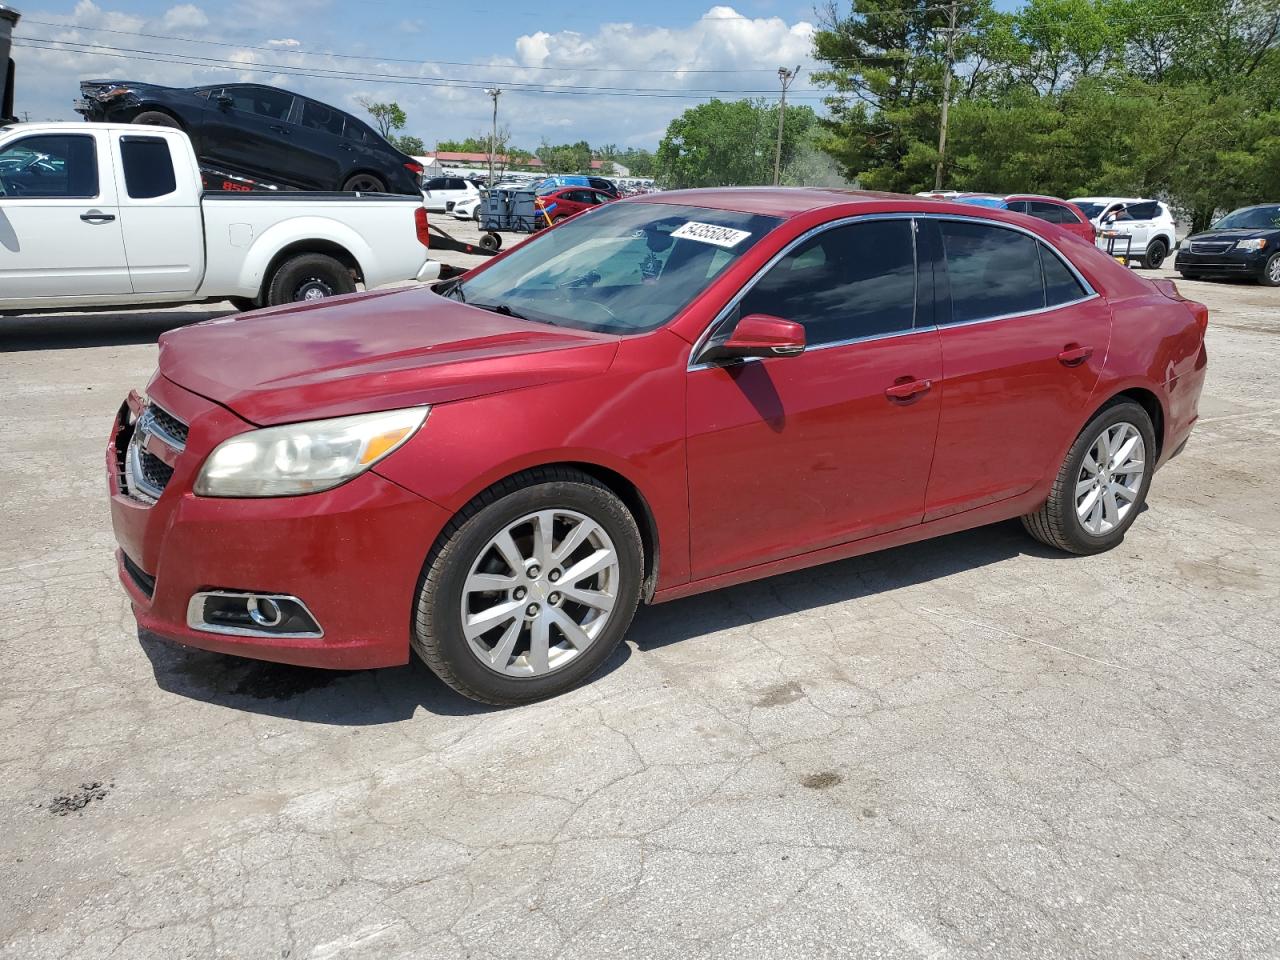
<point>113,215</point>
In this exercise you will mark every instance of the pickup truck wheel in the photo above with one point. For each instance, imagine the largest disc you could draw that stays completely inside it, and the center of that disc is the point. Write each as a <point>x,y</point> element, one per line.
<point>308,276</point>
<point>1155,255</point>
<point>157,118</point>
<point>364,183</point>
<point>243,304</point>
<point>1102,484</point>
<point>530,588</point>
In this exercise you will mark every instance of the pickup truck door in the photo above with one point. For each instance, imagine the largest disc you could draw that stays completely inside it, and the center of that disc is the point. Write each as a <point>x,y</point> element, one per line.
<point>159,211</point>
<point>60,230</point>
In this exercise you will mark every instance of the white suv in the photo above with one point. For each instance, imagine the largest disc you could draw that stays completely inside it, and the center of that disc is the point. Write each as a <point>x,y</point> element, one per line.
<point>441,193</point>
<point>1147,225</point>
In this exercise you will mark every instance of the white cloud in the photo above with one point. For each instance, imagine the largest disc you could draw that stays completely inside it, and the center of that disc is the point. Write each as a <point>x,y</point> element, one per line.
<point>751,48</point>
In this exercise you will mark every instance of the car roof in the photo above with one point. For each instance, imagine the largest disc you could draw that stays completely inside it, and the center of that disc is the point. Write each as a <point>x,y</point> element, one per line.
<point>1036,196</point>
<point>1111,199</point>
<point>783,202</point>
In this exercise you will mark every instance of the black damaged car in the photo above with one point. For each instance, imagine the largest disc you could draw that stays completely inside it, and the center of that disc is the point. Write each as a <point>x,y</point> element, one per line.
<point>262,132</point>
<point>1244,243</point>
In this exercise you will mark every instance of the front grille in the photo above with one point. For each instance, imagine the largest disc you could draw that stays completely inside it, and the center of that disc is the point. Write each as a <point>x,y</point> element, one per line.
<point>1208,246</point>
<point>145,474</point>
<point>141,579</point>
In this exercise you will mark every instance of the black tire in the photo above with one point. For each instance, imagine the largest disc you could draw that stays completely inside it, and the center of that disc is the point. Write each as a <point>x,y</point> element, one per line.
<point>476,215</point>
<point>364,183</point>
<point>1270,275</point>
<point>1155,255</point>
<point>308,276</point>
<point>1189,276</point>
<point>491,241</point>
<point>243,304</point>
<point>437,635</point>
<point>1056,522</point>
<point>157,118</point>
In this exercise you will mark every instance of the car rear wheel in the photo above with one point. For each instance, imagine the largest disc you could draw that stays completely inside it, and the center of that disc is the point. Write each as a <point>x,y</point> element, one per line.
<point>1102,484</point>
<point>364,183</point>
<point>1270,276</point>
<point>308,276</point>
<point>476,214</point>
<point>1154,257</point>
<point>157,118</point>
<point>530,588</point>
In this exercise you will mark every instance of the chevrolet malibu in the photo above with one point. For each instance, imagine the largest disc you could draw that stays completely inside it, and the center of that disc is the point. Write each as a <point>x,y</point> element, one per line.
<point>673,394</point>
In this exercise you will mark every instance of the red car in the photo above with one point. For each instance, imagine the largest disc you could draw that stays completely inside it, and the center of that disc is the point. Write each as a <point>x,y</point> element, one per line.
<point>674,394</point>
<point>567,201</point>
<point>1050,209</point>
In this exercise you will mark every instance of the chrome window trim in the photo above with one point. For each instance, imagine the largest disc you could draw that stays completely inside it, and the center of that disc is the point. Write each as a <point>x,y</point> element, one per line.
<point>196,621</point>
<point>700,344</point>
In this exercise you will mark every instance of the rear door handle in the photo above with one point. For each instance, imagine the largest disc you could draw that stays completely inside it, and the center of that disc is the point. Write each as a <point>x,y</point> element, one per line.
<point>279,129</point>
<point>1074,355</point>
<point>905,388</point>
<point>97,216</point>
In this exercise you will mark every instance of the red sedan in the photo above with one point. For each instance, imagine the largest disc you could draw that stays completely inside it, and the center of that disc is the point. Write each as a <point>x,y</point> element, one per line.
<point>567,201</point>
<point>674,394</point>
<point>1049,209</point>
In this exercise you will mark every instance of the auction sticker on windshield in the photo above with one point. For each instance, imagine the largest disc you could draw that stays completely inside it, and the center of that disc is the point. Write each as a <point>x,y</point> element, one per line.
<point>710,233</point>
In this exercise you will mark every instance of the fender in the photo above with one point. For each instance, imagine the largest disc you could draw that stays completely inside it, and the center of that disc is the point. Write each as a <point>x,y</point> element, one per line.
<point>299,230</point>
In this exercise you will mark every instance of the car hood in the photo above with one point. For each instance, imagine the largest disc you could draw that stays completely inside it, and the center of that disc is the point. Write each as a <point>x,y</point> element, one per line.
<point>1243,233</point>
<point>371,351</point>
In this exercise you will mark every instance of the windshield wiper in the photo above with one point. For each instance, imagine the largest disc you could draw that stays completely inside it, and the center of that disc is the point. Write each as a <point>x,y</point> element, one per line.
<point>503,309</point>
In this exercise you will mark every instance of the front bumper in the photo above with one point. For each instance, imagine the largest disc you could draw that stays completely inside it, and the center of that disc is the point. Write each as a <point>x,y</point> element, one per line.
<point>352,554</point>
<point>430,272</point>
<point>1237,263</point>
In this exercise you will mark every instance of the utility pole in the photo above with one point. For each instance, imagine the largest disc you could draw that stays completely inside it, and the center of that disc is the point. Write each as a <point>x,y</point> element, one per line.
<point>493,137</point>
<point>946,94</point>
<point>786,76</point>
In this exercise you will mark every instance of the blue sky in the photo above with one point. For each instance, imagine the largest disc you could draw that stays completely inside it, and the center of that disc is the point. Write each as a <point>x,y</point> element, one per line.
<point>432,56</point>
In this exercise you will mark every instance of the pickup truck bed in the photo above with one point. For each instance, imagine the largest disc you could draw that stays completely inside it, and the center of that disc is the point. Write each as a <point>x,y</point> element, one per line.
<point>110,215</point>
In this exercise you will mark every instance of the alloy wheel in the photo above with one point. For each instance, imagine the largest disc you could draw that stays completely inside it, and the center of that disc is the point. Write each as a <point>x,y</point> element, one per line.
<point>312,288</point>
<point>540,593</point>
<point>1273,270</point>
<point>1110,478</point>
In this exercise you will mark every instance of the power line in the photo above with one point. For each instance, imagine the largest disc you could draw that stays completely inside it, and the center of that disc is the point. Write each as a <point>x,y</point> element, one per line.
<point>208,63</point>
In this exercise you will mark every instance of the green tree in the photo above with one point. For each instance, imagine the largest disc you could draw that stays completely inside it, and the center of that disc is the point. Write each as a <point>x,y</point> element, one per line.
<point>409,144</point>
<point>728,142</point>
<point>388,116</point>
<point>566,157</point>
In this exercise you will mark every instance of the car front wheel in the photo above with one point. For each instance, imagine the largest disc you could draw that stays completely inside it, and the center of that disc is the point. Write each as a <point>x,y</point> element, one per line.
<point>1270,276</point>
<point>157,118</point>
<point>530,588</point>
<point>1102,484</point>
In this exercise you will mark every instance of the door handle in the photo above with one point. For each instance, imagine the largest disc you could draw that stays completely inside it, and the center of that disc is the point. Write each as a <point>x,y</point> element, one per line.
<point>97,216</point>
<point>1073,355</point>
<point>907,388</point>
<point>279,129</point>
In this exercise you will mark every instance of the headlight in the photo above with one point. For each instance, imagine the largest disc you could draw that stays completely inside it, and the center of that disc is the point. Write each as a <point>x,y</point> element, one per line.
<point>304,457</point>
<point>1251,244</point>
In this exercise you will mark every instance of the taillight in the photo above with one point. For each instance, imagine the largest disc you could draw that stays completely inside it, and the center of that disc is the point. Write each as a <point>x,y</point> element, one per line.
<point>420,226</point>
<point>414,167</point>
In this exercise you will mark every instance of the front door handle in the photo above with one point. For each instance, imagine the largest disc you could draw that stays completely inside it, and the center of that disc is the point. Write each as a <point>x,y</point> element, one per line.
<point>1073,355</point>
<point>907,388</point>
<point>279,129</point>
<point>97,216</point>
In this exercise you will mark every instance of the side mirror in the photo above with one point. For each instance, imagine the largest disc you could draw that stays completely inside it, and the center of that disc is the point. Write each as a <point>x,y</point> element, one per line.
<point>224,101</point>
<point>759,335</point>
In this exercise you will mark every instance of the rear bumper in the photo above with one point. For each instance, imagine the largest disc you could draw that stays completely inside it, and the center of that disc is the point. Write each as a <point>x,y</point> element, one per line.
<point>353,555</point>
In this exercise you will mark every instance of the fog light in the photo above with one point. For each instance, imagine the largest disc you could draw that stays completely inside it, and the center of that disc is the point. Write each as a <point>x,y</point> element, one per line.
<point>244,614</point>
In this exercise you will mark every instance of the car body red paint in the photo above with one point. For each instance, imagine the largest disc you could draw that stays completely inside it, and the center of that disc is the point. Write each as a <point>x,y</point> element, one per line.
<point>734,472</point>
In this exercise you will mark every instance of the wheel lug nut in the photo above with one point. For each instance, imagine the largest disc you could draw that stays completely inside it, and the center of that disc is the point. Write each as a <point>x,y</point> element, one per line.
<point>534,571</point>
<point>532,610</point>
<point>520,592</point>
<point>553,576</point>
<point>554,598</point>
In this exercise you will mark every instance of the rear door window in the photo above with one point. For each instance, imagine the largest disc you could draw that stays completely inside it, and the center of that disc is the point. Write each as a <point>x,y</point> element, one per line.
<point>316,116</point>
<point>148,167</point>
<point>1060,284</point>
<point>1142,211</point>
<point>1049,212</point>
<point>993,271</point>
<point>846,283</point>
<point>437,183</point>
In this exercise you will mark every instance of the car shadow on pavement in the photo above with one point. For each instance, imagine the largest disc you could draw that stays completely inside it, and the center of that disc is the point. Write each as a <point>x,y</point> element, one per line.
<point>67,331</point>
<point>832,583</point>
<point>388,695</point>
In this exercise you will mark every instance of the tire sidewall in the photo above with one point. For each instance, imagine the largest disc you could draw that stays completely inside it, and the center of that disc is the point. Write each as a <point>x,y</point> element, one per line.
<point>294,270</point>
<point>439,610</point>
<point>1155,255</point>
<point>1124,412</point>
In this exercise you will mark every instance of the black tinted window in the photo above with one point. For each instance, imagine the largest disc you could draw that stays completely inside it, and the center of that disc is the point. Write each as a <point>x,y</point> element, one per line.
<point>319,117</point>
<point>1018,206</point>
<point>148,168</point>
<point>56,165</point>
<point>845,283</point>
<point>262,101</point>
<point>457,183</point>
<point>437,183</point>
<point>1143,211</point>
<point>1060,284</point>
<point>1052,212</point>
<point>993,271</point>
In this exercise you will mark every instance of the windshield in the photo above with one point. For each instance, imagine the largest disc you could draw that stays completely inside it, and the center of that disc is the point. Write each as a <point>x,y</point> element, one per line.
<point>623,268</point>
<point>1256,217</point>
<point>994,202</point>
<point>1091,210</point>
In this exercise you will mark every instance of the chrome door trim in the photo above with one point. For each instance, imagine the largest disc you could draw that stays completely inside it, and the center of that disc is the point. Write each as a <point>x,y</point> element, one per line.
<point>700,344</point>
